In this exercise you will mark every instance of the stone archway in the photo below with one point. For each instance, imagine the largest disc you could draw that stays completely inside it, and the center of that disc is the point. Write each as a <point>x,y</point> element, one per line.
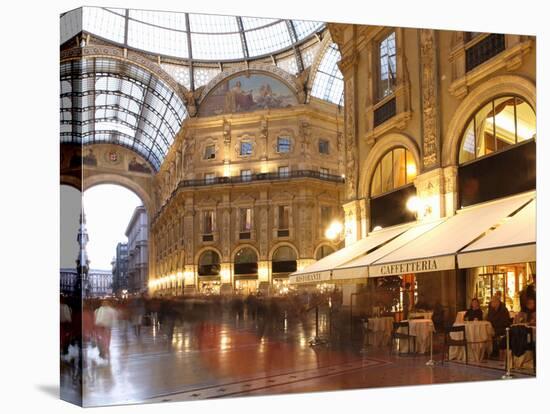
<point>382,146</point>
<point>109,178</point>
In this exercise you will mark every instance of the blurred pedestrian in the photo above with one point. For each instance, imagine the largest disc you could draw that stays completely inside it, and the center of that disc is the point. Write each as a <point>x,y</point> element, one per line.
<point>105,319</point>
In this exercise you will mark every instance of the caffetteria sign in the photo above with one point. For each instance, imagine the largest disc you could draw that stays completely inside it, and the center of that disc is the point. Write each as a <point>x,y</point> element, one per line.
<point>413,266</point>
<point>310,277</point>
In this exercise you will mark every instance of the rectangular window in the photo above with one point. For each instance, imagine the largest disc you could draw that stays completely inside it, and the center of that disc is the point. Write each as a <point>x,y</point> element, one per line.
<point>246,175</point>
<point>246,219</point>
<point>246,148</point>
<point>284,212</point>
<point>323,146</point>
<point>209,178</point>
<point>283,144</point>
<point>387,70</point>
<point>324,172</point>
<point>210,152</point>
<point>284,171</point>
<point>208,222</point>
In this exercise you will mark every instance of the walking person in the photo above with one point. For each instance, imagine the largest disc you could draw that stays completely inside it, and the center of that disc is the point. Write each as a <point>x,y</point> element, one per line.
<point>137,311</point>
<point>105,319</point>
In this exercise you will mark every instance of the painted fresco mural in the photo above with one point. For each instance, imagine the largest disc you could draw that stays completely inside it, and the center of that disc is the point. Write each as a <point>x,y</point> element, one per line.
<point>247,93</point>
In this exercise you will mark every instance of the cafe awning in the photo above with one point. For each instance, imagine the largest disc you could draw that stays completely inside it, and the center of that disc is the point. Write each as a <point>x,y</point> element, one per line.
<point>321,270</point>
<point>358,268</point>
<point>514,241</point>
<point>436,249</point>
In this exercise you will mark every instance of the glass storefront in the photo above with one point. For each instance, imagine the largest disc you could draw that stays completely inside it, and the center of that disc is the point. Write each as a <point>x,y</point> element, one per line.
<point>509,280</point>
<point>209,287</point>
<point>246,286</point>
<point>280,286</point>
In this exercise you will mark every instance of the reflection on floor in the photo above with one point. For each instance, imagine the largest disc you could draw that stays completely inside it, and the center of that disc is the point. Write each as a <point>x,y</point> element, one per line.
<point>223,356</point>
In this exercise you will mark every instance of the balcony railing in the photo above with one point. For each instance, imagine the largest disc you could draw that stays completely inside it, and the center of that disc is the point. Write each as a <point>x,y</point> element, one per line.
<point>262,177</point>
<point>385,112</point>
<point>484,50</point>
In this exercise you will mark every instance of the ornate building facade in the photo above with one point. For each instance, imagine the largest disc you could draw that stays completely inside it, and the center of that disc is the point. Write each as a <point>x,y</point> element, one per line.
<point>137,253</point>
<point>249,200</point>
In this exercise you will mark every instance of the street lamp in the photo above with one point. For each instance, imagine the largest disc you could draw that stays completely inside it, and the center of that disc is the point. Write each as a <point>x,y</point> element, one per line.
<point>419,207</point>
<point>334,230</point>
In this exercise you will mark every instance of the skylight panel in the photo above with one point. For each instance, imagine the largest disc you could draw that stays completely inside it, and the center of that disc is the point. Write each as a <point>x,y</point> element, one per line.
<point>304,28</point>
<point>103,23</point>
<point>207,23</point>
<point>217,47</point>
<point>157,40</point>
<point>255,22</point>
<point>268,39</point>
<point>168,20</point>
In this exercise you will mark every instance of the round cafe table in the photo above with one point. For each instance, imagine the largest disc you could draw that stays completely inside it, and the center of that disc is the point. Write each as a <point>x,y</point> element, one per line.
<point>422,329</point>
<point>479,335</point>
<point>381,328</point>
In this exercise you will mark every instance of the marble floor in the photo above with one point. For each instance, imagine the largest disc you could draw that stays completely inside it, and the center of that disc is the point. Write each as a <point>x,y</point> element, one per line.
<point>224,355</point>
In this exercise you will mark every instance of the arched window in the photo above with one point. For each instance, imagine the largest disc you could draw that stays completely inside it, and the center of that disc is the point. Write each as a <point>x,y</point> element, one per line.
<point>209,263</point>
<point>499,124</point>
<point>323,251</point>
<point>396,169</point>
<point>283,260</point>
<point>246,262</point>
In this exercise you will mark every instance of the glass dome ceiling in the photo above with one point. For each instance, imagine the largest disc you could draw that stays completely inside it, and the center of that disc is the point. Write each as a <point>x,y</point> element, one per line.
<point>198,37</point>
<point>106,100</point>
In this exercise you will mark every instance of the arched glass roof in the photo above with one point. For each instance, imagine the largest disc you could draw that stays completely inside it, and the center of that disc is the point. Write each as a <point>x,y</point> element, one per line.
<point>328,83</point>
<point>107,100</point>
<point>199,37</point>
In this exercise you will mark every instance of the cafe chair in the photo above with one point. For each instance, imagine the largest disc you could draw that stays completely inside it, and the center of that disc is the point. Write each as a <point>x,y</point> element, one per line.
<point>396,335</point>
<point>450,341</point>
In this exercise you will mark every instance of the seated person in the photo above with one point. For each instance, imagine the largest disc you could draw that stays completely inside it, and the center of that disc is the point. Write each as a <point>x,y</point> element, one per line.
<point>499,317</point>
<point>474,313</point>
<point>529,315</point>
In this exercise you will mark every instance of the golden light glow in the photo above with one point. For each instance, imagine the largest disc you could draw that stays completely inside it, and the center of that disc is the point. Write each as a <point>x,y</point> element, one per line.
<point>414,204</point>
<point>377,228</point>
<point>411,169</point>
<point>263,272</point>
<point>225,275</point>
<point>226,169</point>
<point>334,230</point>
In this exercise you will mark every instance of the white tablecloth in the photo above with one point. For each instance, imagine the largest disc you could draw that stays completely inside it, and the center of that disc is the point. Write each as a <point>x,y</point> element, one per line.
<point>420,314</point>
<point>479,335</point>
<point>380,330</point>
<point>422,329</point>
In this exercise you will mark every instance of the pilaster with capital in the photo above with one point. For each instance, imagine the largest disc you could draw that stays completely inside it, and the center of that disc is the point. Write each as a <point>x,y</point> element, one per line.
<point>352,221</point>
<point>430,119</point>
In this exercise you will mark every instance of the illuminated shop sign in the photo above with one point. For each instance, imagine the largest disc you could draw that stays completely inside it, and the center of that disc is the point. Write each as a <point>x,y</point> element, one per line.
<point>310,277</point>
<point>414,266</point>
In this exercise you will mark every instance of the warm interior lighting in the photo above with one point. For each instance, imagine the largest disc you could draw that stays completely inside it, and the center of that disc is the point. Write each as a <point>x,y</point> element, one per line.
<point>334,230</point>
<point>411,170</point>
<point>377,228</point>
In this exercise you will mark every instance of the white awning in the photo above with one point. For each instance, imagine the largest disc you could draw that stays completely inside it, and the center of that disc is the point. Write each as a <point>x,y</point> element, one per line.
<point>358,268</point>
<point>514,241</point>
<point>321,270</point>
<point>436,249</point>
